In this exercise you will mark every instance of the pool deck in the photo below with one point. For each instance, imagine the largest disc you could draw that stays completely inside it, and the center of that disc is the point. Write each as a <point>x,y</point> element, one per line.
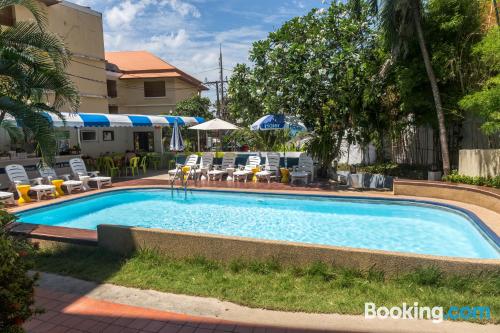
<point>106,308</point>
<point>89,237</point>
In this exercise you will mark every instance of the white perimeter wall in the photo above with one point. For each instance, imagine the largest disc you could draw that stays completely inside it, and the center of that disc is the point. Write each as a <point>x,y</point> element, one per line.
<point>479,162</point>
<point>356,154</point>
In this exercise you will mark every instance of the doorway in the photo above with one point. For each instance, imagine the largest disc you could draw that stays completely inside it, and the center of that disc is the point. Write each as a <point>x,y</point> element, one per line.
<point>144,141</point>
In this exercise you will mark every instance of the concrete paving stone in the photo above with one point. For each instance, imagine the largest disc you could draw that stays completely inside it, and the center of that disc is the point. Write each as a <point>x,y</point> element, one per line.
<point>87,325</point>
<point>203,330</point>
<point>139,323</point>
<point>170,328</point>
<point>46,327</point>
<point>154,326</point>
<point>73,322</point>
<point>187,329</point>
<point>31,324</point>
<point>123,321</point>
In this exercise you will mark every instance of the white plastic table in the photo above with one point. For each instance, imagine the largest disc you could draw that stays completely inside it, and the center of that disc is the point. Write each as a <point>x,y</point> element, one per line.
<point>85,182</point>
<point>230,172</point>
<point>300,175</point>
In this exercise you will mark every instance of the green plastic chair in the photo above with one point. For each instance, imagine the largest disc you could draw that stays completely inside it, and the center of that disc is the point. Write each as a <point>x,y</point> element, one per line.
<point>111,169</point>
<point>133,166</point>
<point>144,164</point>
<point>154,159</point>
<point>100,164</point>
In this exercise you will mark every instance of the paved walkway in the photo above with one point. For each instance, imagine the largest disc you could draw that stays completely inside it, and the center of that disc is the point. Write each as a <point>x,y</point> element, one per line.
<point>73,305</point>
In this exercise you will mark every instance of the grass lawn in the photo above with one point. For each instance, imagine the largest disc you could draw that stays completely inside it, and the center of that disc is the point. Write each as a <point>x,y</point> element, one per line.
<point>317,288</point>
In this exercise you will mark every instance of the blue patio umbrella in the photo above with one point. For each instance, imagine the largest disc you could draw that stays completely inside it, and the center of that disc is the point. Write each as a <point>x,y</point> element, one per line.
<point>176,142</point>
<point>272,122</point>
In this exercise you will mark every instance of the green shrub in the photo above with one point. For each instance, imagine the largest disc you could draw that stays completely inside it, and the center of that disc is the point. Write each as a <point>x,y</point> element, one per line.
<point>454,177</point>
<point>16,287</point>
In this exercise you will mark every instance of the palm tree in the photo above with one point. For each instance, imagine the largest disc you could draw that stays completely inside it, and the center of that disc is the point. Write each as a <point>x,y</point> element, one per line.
<point>32,76</point>
<point>401,19</point>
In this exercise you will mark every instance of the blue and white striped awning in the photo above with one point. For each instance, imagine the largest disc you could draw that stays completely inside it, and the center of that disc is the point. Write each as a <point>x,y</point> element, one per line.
<point>117,120</point>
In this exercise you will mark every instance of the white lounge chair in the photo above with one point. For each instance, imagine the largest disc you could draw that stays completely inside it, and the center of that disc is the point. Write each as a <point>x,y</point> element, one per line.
<point>247,170</point>
<point>191,162</point>
<point>79,171</point>
<point>206,163</point>
<point>271,168</point>
<point>7,197</point>
<point>220,170</point>
<point>18,176</point>
<point>49,174</point>
<point>304,170</point>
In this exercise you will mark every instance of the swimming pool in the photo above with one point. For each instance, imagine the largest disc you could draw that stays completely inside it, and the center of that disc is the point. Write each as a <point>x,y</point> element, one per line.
<point>393,225</point>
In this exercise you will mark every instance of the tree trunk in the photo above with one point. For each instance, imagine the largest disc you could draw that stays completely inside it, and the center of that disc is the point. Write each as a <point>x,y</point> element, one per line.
<point>434,86</point>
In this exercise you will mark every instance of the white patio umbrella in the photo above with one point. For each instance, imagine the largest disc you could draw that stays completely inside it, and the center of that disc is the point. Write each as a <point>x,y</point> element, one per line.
<point>176,142</point>
<point>213,125</point>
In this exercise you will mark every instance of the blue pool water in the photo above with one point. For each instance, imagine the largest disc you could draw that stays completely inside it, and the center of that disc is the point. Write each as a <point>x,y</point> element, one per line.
<point>376,224</point>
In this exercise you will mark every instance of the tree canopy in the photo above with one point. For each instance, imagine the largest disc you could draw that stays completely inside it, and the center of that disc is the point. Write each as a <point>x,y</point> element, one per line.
<point>348,77</point>
<point>195,106</point>
<point>321,67</point>
<point>486,100</point>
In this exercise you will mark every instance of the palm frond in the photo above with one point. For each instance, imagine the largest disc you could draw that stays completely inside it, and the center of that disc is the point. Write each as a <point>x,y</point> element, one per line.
<point>15,134</point>
<point>34,123</point>
<point>35,61</point>
<point>397,24</point>
<point>26,34</point>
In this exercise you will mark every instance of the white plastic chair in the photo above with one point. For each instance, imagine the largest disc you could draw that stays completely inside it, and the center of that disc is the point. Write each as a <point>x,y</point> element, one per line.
<point>79,170</point>
<point>304,170</point>
<point>49,174</point>
<point>207,161</point>
<point>220,170</point>
<point>191,162</point>
<point>246,171</point>
<point>18,176</point>
<point>7,197</point>
<point>271,168</point>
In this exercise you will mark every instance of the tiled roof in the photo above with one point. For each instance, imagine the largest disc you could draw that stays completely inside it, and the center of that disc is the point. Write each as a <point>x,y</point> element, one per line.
<point>137,61</point>
<point>149,75</point>
<point>143,64</point>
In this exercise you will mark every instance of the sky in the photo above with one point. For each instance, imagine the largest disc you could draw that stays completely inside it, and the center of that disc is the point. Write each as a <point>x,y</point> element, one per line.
<point>187,33</point>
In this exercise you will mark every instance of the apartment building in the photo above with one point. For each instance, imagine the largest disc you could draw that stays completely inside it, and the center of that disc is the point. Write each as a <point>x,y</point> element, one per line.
<point>81,29</point>
<point>135,82</point>
<point>140,82</point>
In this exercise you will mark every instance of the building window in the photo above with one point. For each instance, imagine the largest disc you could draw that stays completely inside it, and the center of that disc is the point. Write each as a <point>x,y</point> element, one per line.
<point>108,136</point>
<point>7,16</point>
<point>88,135</point>
<point>154,89</point>
<point>111,88</point>
<point>113,109</point>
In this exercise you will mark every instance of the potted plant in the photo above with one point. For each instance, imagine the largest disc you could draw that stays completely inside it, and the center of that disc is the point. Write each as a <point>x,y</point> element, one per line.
<point>21,153</point>
<point>434,173</point>
<point>4,155</point>
<point>75,150</point>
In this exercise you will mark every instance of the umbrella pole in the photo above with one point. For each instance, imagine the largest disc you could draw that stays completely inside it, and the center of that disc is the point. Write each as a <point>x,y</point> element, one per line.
<point>284,150</point>
<point>220,143</point>
<point>198,134</point>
